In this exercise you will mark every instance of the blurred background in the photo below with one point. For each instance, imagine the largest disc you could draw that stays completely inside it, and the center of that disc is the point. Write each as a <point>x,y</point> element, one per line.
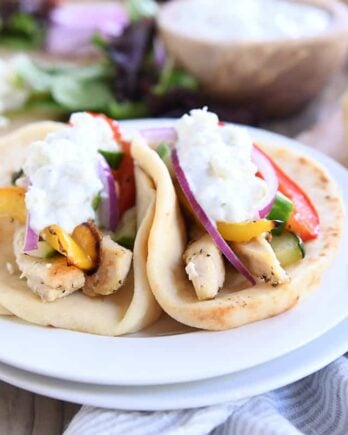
<point>279,64</point>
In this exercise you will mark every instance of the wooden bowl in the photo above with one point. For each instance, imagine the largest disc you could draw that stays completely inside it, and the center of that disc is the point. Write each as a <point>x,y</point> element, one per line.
<point>277,77</point>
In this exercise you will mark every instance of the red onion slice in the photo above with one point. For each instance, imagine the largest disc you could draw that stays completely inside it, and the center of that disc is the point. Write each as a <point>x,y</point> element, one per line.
<point>206,222</point>
<point>155,136</point>
<point>68,42</point>
<point>73,25</point>
<point>268,173</point>
<point>159,52</point>
<point>108,18</point>
<point>31,238</point>
<point>109,207</point>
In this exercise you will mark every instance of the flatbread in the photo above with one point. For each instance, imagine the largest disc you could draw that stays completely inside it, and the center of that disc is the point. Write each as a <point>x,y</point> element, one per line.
<point>132,308</point>
<point>237,303</point>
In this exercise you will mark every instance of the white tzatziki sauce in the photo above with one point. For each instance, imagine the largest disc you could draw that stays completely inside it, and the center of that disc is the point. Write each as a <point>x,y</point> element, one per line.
<point>248,19</point>
<point>218,166</point>
<point>63,173</point>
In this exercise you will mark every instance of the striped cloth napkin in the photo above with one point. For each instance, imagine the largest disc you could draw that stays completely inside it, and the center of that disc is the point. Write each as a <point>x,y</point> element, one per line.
<point>317,404</point>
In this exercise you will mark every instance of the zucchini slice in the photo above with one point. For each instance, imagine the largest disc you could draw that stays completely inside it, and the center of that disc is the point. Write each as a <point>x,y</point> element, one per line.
<point>126,232</point>
<point>288,248</point>
<point>114,158</point>
<point>43,250</point>
<point>281,211</point>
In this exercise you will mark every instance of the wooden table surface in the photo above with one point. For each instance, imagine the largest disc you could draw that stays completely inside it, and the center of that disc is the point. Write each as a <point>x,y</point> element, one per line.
<point>319,125</point>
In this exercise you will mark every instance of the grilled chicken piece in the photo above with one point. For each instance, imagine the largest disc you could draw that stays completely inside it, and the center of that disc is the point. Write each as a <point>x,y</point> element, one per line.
<point>259,257</point>
<point>48,278</point>
<point>115,263</point>
<point>205,267</point>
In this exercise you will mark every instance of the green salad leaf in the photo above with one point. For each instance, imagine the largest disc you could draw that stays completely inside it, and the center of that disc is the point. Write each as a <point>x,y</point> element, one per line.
<point>72,88</point>
<point>74,94</point>
<point>32,75</point>
<point>127,109</point>
<point>22,31</point>
<point>24,23</point>
<point>171,77</point>
<point>138,9</point>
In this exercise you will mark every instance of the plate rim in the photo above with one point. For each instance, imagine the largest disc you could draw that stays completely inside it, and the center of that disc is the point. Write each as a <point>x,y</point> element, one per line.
<point>208,392</point>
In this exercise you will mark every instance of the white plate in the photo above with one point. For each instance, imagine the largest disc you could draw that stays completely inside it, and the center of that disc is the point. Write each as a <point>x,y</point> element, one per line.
<point>257,380</point>
<point>151,358</point>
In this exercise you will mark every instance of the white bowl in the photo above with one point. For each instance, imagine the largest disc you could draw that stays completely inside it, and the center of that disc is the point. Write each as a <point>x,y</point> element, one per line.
<point>277,77</point>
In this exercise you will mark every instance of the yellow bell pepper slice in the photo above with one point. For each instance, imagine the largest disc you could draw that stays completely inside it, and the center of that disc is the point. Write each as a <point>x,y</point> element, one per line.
<point>66,245</point>
<point>88,237</point>
<point>245,231</point>
<point>12,203</point>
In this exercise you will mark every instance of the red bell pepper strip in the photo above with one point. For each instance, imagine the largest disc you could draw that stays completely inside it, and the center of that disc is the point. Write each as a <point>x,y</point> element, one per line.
<point>304,220</point>
<point>124,175</point>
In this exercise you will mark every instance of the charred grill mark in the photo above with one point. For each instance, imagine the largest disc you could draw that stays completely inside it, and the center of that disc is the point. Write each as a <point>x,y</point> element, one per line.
<point>324,179</point>
<point>61,248</point>
<point>265,278</point>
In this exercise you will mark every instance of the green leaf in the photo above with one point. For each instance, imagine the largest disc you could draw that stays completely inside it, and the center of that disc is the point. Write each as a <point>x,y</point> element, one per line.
<point>22,31</point>
<point>99,41</point>
<point>69,87</point>
<point>138,9</point>
<point>44,105</point>
<point>127,109</point>
<point>88,72</point>
<point>172,77</point>
<point>75,94</point>
<point>33,75</point>
<point>40,78</point>
<point>24,23</point>
<point>40,108</point>
<point>18,42</point>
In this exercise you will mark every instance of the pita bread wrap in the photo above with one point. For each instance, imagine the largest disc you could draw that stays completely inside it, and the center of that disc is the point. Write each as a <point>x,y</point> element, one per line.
<point>132,308</point>
<point>237,303</point>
